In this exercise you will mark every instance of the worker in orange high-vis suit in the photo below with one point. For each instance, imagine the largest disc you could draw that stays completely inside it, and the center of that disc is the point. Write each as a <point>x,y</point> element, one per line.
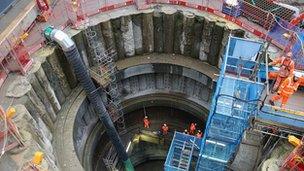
<point>199,134</point>
<point>286,65</point>
<point>192,128</point>
<point>287,88</point>
<point>165,129</point>
<point>146,122</point>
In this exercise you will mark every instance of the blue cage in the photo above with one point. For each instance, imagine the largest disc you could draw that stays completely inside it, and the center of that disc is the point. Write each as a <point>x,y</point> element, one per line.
<point>236,98</point>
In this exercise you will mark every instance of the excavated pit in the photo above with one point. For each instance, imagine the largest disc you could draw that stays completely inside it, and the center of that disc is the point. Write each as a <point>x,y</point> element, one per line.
<point>167,60</point>
<point>155,146</point>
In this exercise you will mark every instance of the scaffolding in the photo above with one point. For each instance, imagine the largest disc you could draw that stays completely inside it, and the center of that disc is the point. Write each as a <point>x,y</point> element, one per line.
<point>236,98</point>
<point>111,159</point>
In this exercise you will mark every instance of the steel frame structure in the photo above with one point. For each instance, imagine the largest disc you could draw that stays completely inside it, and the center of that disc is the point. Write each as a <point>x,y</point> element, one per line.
<point>236,98</point>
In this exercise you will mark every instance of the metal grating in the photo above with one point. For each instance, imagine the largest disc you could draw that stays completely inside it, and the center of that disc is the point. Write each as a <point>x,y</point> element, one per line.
<point>277,10</point>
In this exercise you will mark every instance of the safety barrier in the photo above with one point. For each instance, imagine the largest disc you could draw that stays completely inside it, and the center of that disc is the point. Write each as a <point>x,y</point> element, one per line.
<point>278,34</point>
<point>259,22</point>
<point>76,13</point>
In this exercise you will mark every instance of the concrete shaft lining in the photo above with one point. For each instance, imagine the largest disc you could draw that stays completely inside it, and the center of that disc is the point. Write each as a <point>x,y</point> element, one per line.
<point>51,83</point>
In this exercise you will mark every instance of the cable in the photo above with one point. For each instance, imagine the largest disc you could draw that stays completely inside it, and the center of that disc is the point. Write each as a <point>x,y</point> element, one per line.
<point>145,113</point>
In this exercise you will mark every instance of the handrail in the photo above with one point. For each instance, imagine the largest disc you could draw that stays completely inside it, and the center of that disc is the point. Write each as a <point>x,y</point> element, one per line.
<point>276,114</point>
<point>70,15</point>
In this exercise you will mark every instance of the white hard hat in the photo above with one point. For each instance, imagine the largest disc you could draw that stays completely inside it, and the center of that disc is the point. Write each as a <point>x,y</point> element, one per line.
<point>232,2</point>
<point>297,74</point>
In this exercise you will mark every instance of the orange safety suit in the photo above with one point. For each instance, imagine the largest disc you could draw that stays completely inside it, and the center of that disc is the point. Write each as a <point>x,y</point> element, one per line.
<point>146,123</point>
<point>287,88</point>
<point>199,134</point>
<point>286,69</point>
<point>165,129</point>
<point>192,128</point>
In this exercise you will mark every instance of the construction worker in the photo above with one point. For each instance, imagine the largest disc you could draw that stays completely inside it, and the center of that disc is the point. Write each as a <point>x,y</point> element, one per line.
<point>35,163</point>
<point>199,134</point>
<point>286,69</point>
<point>192,128</point>
<point>165,129</point>
<point>287,88</point>
<point>146,122</point>
<point>186,131</point>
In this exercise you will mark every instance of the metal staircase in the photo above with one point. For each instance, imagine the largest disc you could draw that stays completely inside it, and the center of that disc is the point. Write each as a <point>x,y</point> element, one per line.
<point>236,99</point>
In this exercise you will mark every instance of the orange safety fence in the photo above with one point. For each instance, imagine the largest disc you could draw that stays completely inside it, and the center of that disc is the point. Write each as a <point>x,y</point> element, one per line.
<point>76,12</point>
<point>15,52</point>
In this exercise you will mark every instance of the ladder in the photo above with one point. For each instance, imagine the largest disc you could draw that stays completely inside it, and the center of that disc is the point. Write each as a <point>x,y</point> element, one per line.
<point>106,71</point>
<point>181,152</point>
<point>106,74</point>
<point>185,156</point>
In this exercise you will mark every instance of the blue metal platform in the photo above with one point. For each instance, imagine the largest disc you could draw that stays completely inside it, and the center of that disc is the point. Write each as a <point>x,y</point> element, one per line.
<point>279,117</point>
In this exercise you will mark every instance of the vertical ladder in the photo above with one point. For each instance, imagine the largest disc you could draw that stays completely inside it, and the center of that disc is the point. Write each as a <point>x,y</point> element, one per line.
<point>186,156</point>
<point>107,72</point>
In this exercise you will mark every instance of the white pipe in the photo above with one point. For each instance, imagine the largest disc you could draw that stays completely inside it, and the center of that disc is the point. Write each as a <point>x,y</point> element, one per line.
<point>65,42</point>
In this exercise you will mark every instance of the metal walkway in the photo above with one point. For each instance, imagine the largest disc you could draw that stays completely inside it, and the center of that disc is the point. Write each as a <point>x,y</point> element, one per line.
<point>287,118</point>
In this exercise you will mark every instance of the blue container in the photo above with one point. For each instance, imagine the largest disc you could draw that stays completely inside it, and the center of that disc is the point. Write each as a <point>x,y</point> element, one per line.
<point>234,11</point>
